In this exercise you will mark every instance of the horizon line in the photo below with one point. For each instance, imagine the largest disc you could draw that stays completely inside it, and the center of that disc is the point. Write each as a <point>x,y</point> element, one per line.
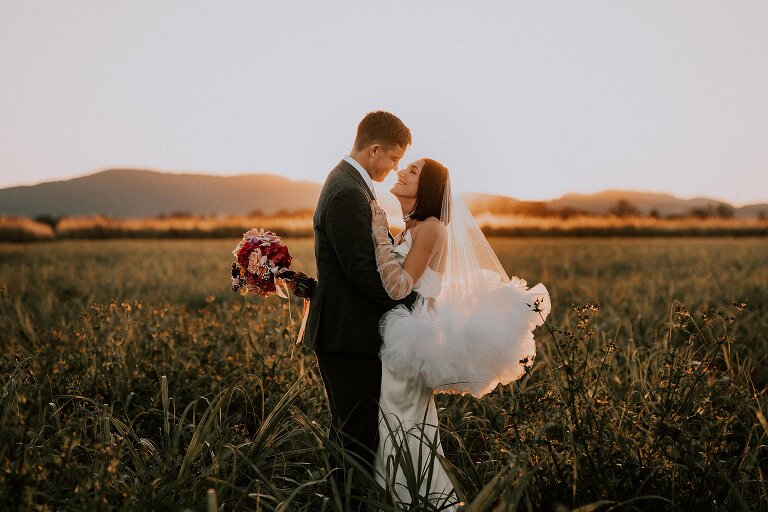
<point>238,174</point>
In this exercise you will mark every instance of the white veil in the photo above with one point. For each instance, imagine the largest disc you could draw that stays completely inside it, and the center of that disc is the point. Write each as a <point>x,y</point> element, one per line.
<point>469,263</point>
<point>479,327</point>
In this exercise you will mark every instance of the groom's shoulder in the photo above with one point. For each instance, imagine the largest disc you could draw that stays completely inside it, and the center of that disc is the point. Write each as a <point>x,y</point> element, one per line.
<point>339,179</point>
<point>340,173</point>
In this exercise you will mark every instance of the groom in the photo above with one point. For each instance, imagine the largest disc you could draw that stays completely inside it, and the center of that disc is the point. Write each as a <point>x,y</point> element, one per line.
<point>342,327</point>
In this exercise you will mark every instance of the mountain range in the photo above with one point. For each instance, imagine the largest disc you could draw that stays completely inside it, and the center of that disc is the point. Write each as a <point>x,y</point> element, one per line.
<point>145,193</point>
<point>142,193</point>
<point>615,201</point>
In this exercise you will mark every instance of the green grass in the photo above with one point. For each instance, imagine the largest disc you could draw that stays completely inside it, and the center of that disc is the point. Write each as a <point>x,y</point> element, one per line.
<point>133,379</point>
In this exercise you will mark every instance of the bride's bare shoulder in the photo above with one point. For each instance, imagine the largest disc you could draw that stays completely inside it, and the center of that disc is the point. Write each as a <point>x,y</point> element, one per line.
<point>430,229</point>
<point>436,224</point>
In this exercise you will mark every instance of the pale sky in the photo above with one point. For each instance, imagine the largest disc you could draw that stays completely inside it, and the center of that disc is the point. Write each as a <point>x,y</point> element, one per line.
<point>529,99</point>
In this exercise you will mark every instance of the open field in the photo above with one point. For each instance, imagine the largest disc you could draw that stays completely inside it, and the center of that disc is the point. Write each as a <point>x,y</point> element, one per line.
<point>134,379</point>
<point>299,224</point>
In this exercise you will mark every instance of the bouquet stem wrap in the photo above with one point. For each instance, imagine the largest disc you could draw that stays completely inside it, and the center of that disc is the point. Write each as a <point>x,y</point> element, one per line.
<point>303,286</point>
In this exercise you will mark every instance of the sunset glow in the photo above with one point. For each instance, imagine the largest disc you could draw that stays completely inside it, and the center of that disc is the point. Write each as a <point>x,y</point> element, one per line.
<point>528,100</point>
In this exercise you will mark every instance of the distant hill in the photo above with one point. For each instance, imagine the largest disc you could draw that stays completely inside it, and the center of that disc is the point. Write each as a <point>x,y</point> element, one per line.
<point>608,201</point>
<point>140,193</point>
<point>644,202</point>
<point>753,210</point>
<point>505,205</point>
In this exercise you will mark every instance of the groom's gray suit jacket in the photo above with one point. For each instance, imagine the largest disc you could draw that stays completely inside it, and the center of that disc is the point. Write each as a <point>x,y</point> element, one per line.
<point>350,298</point>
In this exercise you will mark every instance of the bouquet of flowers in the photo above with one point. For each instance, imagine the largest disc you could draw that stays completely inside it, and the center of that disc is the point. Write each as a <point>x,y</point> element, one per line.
<point>261,267</point>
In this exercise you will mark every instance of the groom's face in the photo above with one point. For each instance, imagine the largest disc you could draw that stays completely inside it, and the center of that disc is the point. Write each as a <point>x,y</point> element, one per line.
<point>383,159</point>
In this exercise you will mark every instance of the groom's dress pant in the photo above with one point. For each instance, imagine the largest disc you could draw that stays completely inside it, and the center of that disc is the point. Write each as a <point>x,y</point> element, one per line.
<point>353,383</point>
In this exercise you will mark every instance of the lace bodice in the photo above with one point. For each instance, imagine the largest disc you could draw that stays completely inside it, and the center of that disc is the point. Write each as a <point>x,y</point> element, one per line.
<point>430,282</point>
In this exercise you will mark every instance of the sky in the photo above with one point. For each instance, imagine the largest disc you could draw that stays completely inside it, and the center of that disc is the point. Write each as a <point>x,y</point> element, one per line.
<point>528,99</point>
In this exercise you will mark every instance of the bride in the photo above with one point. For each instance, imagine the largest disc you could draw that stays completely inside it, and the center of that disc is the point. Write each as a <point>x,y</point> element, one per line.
<point>469,329</point>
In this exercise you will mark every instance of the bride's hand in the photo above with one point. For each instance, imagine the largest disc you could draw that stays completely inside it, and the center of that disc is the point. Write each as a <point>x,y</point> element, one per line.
<point>378,216</point>
<point>379,226</point>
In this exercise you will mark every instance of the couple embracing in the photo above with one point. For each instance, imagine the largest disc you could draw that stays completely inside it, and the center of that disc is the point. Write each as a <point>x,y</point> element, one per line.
<point>395,320</point>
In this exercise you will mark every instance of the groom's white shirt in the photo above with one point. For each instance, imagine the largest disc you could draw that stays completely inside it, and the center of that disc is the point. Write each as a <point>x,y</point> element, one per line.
<point>367,177</point>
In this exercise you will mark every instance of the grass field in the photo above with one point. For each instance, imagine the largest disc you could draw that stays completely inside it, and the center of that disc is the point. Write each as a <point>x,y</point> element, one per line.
<point>299,224</point>
<point>134,379</point>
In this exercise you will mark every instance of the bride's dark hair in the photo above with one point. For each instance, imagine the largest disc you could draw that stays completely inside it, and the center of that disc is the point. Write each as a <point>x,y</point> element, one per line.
<point>429,196</point>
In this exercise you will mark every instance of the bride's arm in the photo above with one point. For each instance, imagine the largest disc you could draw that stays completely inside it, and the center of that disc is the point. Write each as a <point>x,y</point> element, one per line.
<point>422,249</point>
<point>399,280</point>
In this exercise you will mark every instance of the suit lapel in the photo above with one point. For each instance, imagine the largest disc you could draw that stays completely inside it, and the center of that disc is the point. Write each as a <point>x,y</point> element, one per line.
<point>347,167</point>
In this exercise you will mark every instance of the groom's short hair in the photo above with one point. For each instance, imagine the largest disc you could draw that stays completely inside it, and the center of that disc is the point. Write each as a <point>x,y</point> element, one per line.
<point>382,128</point>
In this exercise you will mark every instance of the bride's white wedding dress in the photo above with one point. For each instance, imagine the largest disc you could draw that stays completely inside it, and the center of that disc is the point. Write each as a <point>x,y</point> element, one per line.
<point>470,329</point>
<point>408,435</point>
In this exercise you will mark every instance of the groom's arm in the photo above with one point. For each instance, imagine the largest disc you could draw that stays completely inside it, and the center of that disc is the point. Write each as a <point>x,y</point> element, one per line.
<point>348,226</point>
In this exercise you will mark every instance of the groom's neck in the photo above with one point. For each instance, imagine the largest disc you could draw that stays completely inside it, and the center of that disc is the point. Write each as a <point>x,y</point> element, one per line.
<point>362,158</point>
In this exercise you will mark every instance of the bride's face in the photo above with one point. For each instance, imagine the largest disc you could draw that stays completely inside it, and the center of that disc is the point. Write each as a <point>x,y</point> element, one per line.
<point>408,180</point>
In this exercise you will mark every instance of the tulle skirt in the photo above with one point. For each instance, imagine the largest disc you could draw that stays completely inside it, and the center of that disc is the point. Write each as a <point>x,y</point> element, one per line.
<point>469,345</point>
